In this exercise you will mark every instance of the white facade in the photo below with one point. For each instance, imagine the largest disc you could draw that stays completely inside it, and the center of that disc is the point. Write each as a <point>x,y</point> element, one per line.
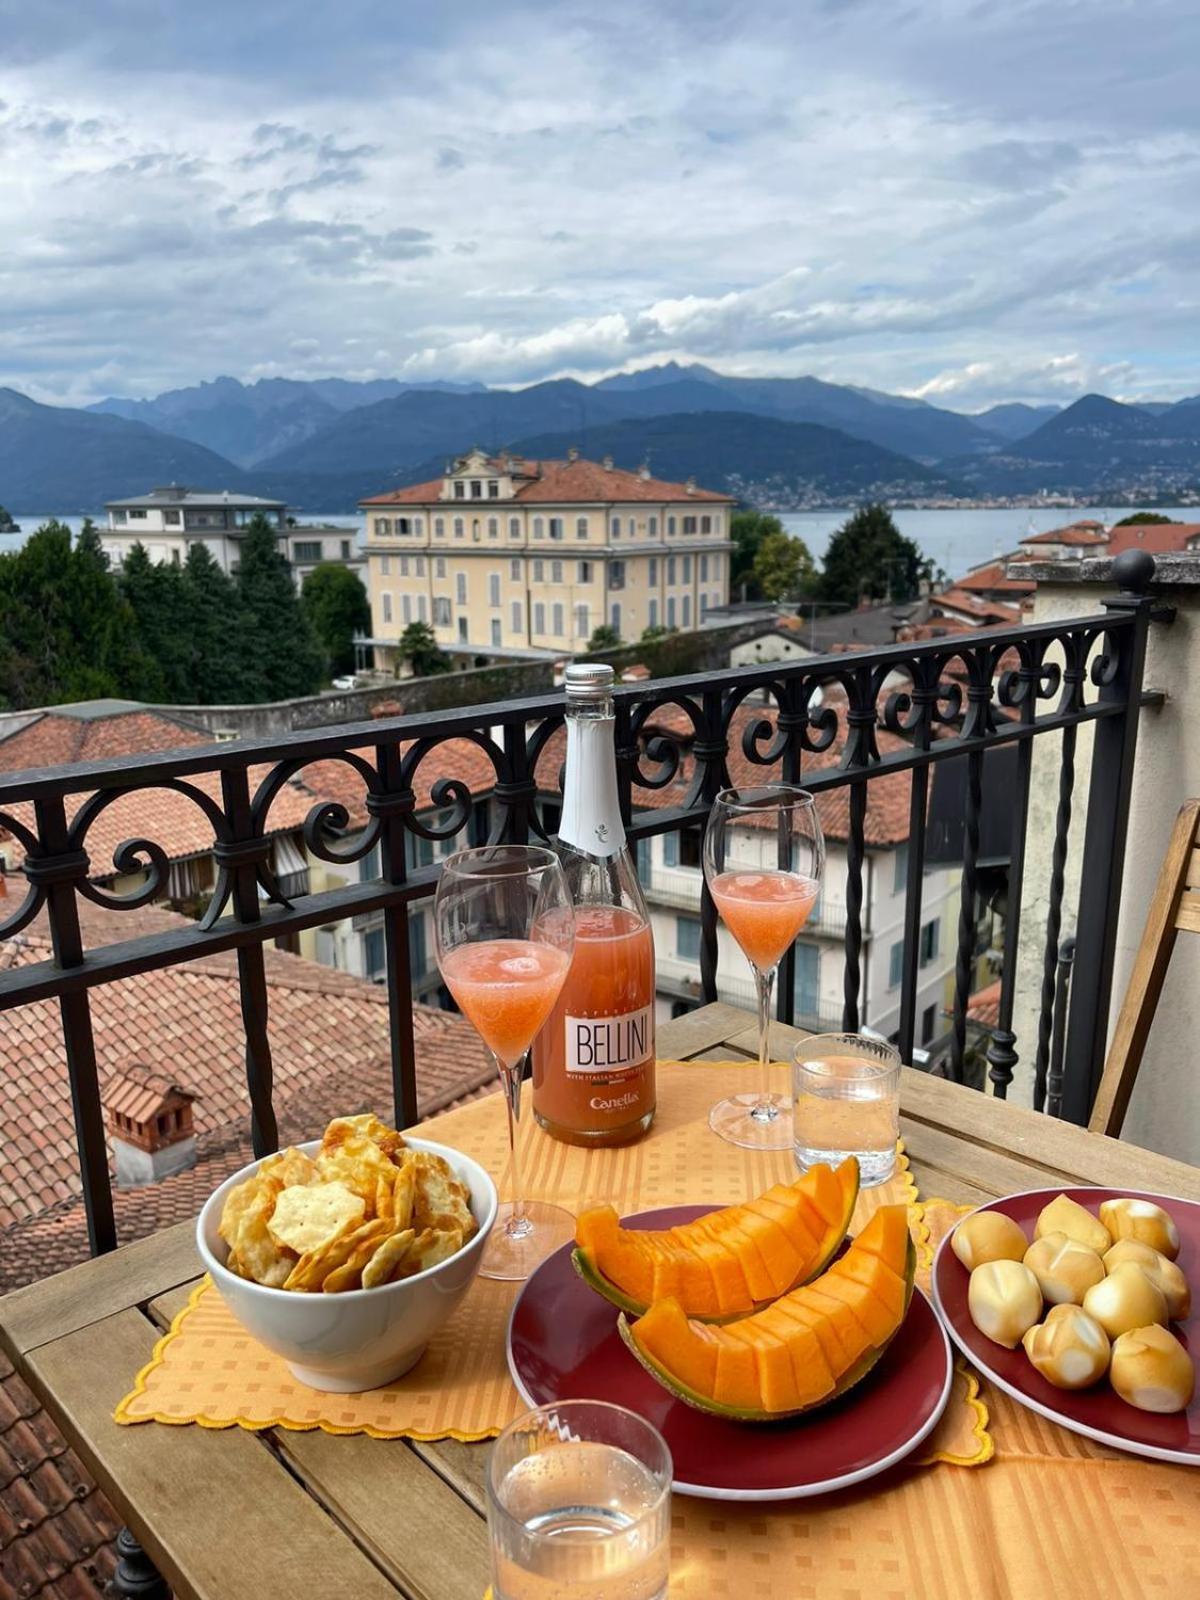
<point>167,522</point>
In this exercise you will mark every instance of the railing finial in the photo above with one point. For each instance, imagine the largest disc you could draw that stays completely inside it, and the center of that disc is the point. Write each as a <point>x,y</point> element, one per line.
<point>1133,571</point>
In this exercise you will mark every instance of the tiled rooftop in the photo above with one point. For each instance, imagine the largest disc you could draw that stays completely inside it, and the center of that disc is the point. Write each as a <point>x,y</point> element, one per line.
<point>556,483</point>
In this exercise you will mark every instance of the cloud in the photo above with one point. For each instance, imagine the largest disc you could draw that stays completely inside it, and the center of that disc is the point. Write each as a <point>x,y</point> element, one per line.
<point>961,203</point>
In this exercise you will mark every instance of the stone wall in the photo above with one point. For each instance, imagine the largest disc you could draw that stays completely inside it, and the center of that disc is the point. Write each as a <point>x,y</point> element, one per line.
<point>706,650</point>
<point>1165,1111</point>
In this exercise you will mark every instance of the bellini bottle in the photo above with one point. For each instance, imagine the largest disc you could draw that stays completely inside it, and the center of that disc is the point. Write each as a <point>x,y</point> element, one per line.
<point>593,1062</point>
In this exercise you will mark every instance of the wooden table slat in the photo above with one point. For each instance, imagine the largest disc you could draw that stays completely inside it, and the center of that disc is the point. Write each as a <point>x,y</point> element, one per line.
<point>426,1537</point>
<point>94,1290</point>
<point>213,1510</point>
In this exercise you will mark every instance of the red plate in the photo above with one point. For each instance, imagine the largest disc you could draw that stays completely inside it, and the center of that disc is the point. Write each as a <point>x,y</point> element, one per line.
<point>563,1344</point>
<point>1098,1413</point>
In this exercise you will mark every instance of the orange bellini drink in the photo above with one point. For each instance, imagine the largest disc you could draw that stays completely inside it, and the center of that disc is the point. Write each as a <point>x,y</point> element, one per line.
<point>593,1062</point>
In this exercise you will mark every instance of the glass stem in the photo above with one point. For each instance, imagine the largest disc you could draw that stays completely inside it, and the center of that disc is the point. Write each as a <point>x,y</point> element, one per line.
<point>764,1111</point>
<point>510,1077</point>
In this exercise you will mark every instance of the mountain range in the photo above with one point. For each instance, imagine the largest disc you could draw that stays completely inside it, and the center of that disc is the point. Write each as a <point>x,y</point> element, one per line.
<point>324,444</point>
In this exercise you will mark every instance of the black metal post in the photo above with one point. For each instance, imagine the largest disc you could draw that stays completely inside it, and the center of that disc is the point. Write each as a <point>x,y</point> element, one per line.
<point>59,870</point>
<point>1102,868</point>
<point>136,1577</point>
<point>391,806</point>
<point>1048,1089</point>
<point>240,857</point>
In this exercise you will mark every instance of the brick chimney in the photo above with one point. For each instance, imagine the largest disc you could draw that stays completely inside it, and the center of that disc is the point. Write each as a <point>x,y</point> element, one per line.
<point>149,1121</point>
<point>690,486</point>
<point>607,463</point>
<point>644,471</point>
<point>573,452</point>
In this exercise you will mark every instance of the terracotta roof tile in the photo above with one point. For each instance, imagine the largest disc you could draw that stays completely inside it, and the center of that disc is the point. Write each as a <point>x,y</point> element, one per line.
<point>994,579</point>
<point>984,1006</point>
<point>1160,538</point>
<point>560,483</point>
<point>1075,533</point>
<point>887,795</point>
<point>957,600</point>
<point>460,759</point>
<point>185,1021</point>
<point>52,739</point>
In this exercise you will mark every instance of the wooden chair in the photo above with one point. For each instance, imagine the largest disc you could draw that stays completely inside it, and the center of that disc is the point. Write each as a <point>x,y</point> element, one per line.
<point>1175,908</point>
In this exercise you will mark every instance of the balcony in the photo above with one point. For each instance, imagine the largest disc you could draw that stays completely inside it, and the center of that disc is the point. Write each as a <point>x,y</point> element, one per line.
<point>841,724</point>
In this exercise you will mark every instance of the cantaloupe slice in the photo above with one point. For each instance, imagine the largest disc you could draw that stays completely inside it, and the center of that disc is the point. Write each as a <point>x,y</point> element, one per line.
<point>799,1352</point>
<point>746,1255</point>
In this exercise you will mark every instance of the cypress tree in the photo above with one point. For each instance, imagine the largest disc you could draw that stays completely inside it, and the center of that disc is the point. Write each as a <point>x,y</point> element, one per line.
<point>217,640</point>
<point>287,657</point>
<point>158,598</point>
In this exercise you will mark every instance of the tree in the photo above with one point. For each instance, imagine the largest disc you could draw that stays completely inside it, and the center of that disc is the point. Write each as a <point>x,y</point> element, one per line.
<point>286,659</point>
<point>106,629</point>
<point>604,638</point>
<point>1143,519</point>
<point>783,568</point>
<point>220,633</point>
<point>337,607</point>
<point>869,558</point>
<point>656,632</point>
<point>158,598</point>
<point>748,529</point>
<point>419,647</point>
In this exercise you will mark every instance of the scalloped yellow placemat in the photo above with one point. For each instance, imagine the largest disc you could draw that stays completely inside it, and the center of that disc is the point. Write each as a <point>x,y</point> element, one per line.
<point>207,1370</point>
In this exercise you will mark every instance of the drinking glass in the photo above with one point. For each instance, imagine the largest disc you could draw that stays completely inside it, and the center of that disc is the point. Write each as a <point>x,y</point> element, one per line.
<point>846,1102</point>
<point>579,1505</point>
<point>764,854</point>
<point>504,931</point>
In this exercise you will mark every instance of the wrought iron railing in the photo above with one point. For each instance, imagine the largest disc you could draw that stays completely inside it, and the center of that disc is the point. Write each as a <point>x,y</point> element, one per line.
<point>947,699</point>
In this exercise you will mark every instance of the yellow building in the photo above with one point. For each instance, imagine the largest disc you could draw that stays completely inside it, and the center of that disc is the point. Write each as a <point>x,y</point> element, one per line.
<point>510,557</point>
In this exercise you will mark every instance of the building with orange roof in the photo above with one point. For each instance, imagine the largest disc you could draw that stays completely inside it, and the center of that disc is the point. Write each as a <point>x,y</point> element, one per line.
<point>504,556</point>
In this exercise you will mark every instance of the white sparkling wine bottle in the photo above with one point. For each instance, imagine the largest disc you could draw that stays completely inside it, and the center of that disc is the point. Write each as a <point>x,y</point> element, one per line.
<point>593,1062</point>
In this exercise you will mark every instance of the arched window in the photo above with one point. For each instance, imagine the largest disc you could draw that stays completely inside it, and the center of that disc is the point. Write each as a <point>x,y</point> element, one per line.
<point>439,527</point>
<point>581,528</point>
<point>556,572</point>
<point>459,528</point>
<point>654,527</point>
<point>493,527</point>
<point>670,526</point>
<point>514,527</point>
<point>539,528</point>
<point>615,527</point>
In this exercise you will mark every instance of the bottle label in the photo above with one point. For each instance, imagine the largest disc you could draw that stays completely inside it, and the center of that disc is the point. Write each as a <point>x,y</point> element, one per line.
<point>601,1046</point>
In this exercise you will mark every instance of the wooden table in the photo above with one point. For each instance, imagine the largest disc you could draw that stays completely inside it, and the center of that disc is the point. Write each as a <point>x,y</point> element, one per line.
<point>234,1514</point>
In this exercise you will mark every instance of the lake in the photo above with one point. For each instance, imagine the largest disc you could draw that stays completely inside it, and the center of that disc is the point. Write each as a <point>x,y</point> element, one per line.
<point>953,540</point>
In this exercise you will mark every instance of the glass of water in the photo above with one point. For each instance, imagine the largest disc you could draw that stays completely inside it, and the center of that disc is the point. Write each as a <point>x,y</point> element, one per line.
<point>579,1505</point>
<point>846,1102</point>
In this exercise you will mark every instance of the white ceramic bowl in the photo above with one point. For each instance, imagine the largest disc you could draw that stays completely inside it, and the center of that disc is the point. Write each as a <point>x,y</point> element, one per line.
<point>365,1337</point>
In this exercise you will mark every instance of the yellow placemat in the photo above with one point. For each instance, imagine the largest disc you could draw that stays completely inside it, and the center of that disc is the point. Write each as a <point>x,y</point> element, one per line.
<point>207,1370</point>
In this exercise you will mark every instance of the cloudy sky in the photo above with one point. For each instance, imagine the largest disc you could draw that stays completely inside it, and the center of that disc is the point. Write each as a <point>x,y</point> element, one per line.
<point>962,201</point>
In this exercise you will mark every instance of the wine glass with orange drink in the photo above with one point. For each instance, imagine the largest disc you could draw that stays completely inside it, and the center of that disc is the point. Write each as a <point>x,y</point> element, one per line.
<point>764,854</point>
<point>504,930</point>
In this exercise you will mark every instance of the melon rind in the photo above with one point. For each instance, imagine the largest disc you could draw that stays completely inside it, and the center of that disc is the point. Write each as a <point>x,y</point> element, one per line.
<point>847,1381</point>
<point>590,1272</point>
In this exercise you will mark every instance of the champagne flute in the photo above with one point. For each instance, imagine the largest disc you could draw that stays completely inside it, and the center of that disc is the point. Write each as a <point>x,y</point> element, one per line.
<point>504,931</point>
<point>764,854</point>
